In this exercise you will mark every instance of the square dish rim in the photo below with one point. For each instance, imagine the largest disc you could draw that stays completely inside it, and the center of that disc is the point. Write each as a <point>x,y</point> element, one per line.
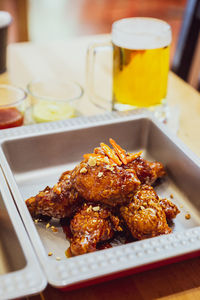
<point>108,261</point>
<point>19,283</point>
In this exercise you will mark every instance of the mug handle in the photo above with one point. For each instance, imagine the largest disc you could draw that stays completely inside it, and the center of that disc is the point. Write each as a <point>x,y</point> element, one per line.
<point>92,51</point>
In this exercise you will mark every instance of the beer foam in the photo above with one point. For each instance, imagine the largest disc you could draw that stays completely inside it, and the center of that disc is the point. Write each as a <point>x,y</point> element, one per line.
<point>5,18</point>
<point>141,33</point>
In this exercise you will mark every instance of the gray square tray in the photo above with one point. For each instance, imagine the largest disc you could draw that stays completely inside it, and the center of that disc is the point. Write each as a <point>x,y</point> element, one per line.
<point>20,271</point>
<point>35,156</point>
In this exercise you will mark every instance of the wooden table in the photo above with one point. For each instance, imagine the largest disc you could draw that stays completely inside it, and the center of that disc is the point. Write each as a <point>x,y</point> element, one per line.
<point>67,59</point>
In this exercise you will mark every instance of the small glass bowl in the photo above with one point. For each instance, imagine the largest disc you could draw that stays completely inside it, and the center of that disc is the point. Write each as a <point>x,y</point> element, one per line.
<point>12,106</point>
<point>53,101</point>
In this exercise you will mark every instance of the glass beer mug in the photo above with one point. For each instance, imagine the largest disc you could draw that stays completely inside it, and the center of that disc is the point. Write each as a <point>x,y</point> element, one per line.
<point>140,64</point>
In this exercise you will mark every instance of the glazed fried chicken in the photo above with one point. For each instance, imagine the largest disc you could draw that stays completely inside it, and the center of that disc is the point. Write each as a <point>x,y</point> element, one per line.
<point>58,202</point>
<point>109,191</point>
<point>95,180</point>
<point>147,172</point>
<point>102,177</point>
<point>170,209</point>
<point>98,180</point>
<point>145,216</point>
<point>91,225</point>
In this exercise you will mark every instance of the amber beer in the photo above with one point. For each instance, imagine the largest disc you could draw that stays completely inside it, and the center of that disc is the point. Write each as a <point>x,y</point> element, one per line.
<point>140,62</point>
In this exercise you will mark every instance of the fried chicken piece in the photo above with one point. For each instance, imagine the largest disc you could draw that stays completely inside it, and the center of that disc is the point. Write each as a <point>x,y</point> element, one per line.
<point>103,182</point>
<point>147,172</point>
<point>89,226</point>
<point>170,209</point>
<point>101,177</point>
<point>58,202</point>
<point>144,216</point>
<point>98,179</point>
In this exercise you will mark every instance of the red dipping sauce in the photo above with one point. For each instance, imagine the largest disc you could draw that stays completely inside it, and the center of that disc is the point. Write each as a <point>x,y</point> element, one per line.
<point>12,106</point>
<point>10,117</point>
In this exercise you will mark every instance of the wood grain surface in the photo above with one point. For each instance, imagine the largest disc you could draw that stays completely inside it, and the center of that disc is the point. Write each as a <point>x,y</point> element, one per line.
<point>176,281</point>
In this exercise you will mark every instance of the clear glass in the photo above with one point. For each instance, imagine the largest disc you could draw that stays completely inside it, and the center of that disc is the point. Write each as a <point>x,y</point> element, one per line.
<point>53,101</point>
<point>12,106</point>
<point>140,59</point>
<point>140,62</point>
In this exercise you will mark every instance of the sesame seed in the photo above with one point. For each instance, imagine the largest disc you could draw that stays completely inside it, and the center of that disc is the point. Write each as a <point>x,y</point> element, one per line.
<point>58,258</point>
<point>111,168</point>
<point>187,216</point>
<point>83,170</point>
<point>50,254</point>
<point>172,196</point>
<point>100,174</point>
<point>106,159</point>
<point>48,225</point>
<point>89,209</point>
<point>96,208</point>
<point>92,161</point>
<point>57,189</point>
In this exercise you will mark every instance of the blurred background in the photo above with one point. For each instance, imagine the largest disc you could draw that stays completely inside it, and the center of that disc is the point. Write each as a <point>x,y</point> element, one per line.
<point>44,20</point>
<point>47,20</point>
